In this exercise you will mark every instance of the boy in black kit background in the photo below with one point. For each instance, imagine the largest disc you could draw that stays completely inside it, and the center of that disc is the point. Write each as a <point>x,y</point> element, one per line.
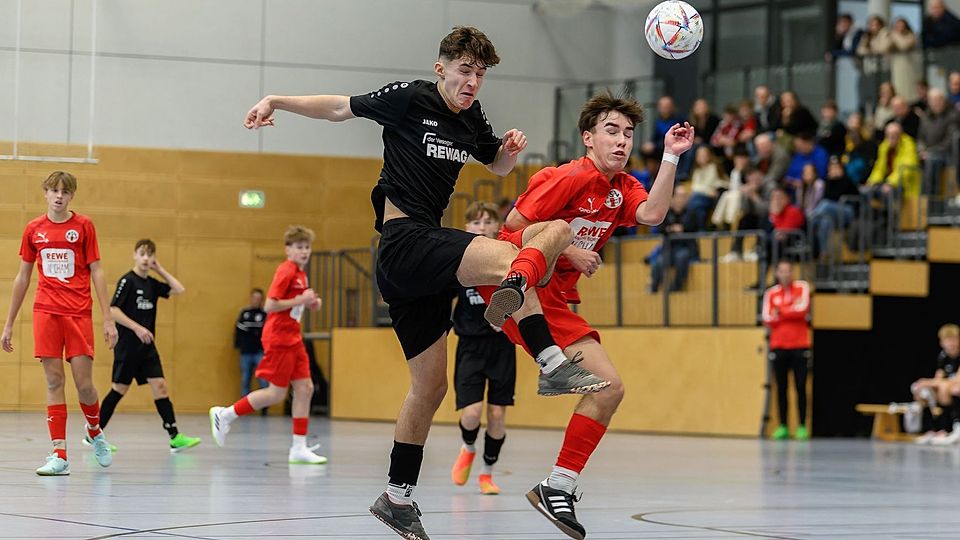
<point>485,358</point>
<point>134,307</point>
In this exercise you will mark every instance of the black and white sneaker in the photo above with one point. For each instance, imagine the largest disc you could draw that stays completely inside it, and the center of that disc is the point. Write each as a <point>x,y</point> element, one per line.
<point>570,378</point>
<point>557,506</point>
<point>404,519</point>
<point>506,300</point>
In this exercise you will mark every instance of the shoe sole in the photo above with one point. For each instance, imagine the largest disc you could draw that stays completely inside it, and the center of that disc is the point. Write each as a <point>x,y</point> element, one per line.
<point>324,462</point>
<point>64,473</point>
<point>213,429</point>
<point>403,534</point>
<point>535,502</point>
<point>504,302</point>
<point>586,389</point>
<point>105,465</point>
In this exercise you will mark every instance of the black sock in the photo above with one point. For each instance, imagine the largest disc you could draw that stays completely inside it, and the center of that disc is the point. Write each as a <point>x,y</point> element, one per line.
<point>536,333</point>
<point>491,448</point>
<point>108,405</point>
<point>469,435</point>
<point>165,408</point>
<point>405,461</point>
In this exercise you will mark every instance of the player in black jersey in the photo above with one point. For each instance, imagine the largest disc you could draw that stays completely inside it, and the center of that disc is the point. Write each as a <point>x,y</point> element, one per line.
<point>134,307</point>
<point>486,360</point>
<point>429,131</point>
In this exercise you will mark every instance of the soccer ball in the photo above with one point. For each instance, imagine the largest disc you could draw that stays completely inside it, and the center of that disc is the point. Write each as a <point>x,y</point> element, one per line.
<point>674,29</point>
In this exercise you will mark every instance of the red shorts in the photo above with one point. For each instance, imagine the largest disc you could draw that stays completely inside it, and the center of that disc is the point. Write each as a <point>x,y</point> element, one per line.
<point>565,326</point>
<point>61,336</point>
<point>280,365</point>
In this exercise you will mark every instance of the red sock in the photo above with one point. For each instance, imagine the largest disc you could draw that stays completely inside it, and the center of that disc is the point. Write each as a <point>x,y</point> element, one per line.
<point>581,439</point>
<point>92,414</point>
<point>242,406</point>
<point>300,425</point>
<point>531,264</point>
<point>57,424</point>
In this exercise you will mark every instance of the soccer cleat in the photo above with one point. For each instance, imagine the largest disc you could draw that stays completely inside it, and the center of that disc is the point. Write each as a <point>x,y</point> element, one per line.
<point>303,456</point>
<point>506,300</point>
<point>101,451</point>
<point>781,433</point>
<point>87,441</point>
<point>402,518</point>
<point>487,487</point>
<point>461,468</point>
<point>802,434</point>
<point>569,378</point>
<point>55,466</point>
<point>218,427</point>
<point>181,442</point>
<point>557,506</point>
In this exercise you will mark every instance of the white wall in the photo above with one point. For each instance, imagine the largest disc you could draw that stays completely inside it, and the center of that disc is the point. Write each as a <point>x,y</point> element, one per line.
<point>182,73</point>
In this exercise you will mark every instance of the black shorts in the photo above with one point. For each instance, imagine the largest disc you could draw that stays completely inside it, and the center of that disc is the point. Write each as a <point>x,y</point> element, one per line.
<point>140,363</point>
<point>482,359</point>
<point>417,275</point>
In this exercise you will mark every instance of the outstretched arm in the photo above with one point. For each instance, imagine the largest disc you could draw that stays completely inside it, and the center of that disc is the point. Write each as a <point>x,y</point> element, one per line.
<point>514,141</point>
<point>332,108</point>
<point>678,140</point>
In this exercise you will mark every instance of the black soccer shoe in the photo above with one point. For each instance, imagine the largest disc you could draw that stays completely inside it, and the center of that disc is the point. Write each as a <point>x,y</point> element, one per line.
<point>506,300</point>
<point>403,519</point>
<point>557,506</point>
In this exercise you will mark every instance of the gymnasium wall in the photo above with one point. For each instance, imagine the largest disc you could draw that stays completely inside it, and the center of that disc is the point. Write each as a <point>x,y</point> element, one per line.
<point>182,73</point>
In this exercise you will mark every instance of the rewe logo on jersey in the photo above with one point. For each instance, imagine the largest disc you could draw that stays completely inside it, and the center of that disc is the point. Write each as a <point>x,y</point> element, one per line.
<point>443,149</point>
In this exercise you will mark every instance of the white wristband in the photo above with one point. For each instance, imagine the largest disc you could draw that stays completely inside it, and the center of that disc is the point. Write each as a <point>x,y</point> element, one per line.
<point>671,158</point>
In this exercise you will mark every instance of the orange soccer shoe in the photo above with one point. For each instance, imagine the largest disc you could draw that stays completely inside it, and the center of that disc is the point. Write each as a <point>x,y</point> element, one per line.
<point>487,487</point>
<point>461,468</point>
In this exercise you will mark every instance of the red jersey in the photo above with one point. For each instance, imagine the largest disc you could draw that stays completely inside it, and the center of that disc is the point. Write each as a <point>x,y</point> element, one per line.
<point>785,311</point>
<point>789,219</point>
<point>282,328</point>
<point>63,253</point>
<point>578,193</point>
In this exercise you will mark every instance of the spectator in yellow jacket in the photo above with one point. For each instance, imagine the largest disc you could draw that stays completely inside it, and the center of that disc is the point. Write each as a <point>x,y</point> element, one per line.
<point>897,165</point>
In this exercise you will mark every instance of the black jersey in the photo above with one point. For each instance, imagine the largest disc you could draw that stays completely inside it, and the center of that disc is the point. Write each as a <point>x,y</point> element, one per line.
<point>137,298</point>
<point>425,145</point>
<point>468,320</point>
<point>948,364</point>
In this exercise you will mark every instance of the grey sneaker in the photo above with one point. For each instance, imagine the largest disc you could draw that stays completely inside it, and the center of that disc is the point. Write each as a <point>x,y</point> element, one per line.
<point>569,378</point>
<point>506,300</point>
<point>101,451</point>
<point>403,519</point>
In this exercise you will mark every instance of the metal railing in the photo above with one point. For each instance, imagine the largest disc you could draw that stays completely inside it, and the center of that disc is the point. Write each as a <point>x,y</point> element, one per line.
<point>344,281</point>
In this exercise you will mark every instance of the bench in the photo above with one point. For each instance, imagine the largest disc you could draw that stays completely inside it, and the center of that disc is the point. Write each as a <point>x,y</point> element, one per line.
<point>886,422</point>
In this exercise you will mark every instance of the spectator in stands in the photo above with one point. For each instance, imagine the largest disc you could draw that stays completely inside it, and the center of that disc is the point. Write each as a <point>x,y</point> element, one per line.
<point>703,120</point>
<point>794,120</point>
<point>766,108</point>
<point>770,159</point>
<point>830,211</point>
<point>749,122</point>
<point>935,140</point>
<point>681,253</point>
<point>919,106</point>
<point>940,27</point>
<point>787,222</point>
<point>942,389</point>
<point>246,338</point>
<point>953,88</point>
<point>831,134</point>
<point>725,137</point>
<point>904,61</point>
<point>786,307</point>
<point>904,115</point>
<point>754,212</point>
<point>861,150</point>
<point>727,212</point>
<point>845,38</point>
<point>707,179</point>
<point>897,167</point>
<point>811,189</point>
<point>874,46</point>
<point>644,168</point>
<point>666,117</point>
<point>883,112</point>
<point>805,151</point>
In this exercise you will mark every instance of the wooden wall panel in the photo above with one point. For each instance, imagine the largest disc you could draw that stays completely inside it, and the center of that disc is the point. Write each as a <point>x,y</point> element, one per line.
<point>943,245</point>
<point>899,278</point>
<point>842,311</point>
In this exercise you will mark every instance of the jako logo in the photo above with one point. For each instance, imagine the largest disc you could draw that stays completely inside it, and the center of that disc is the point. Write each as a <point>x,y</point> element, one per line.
<point>428,122</point>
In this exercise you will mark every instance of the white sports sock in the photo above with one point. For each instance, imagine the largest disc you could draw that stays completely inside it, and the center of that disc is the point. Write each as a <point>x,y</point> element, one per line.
<point>228,414</point>
<point>299,441</point>
<point>563,479</point>
<point>550,358</point>
<point>470,447</point>
<point>487,469</point>
<point>402,494</point>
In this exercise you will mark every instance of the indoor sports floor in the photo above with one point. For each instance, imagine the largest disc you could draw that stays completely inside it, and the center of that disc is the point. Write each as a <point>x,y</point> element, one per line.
<point>635,486</point>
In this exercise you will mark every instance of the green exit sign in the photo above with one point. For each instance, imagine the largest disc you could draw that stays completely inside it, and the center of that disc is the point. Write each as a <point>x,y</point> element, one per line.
<point>252,198</point>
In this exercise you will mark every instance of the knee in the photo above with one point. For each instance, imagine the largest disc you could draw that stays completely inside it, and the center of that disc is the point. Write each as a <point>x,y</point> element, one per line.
<point>610,398</point>
<point>495,415</point>
<point>562,229</point>
<point>432,391</point>
<point>160,388</point>
<point>55,381</point>
<point>86,389</point>
<point>305,388</point>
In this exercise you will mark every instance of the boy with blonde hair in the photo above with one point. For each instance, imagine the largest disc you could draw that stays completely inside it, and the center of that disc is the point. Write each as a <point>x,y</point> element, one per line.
<point>285,361</point>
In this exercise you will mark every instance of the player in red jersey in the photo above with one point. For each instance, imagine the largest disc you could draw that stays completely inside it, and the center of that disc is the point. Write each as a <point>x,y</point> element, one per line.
<point>285,361</point>
<point>595,196</point>
<point>63,244</point>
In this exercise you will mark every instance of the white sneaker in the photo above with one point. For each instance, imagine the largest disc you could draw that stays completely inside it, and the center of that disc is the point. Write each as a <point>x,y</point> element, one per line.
<point>303,456</point>
<point>218,427</point>
<point>926,437</point>
<point>946,440</point>
<point>751,256</point>
<point>731,257</point>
